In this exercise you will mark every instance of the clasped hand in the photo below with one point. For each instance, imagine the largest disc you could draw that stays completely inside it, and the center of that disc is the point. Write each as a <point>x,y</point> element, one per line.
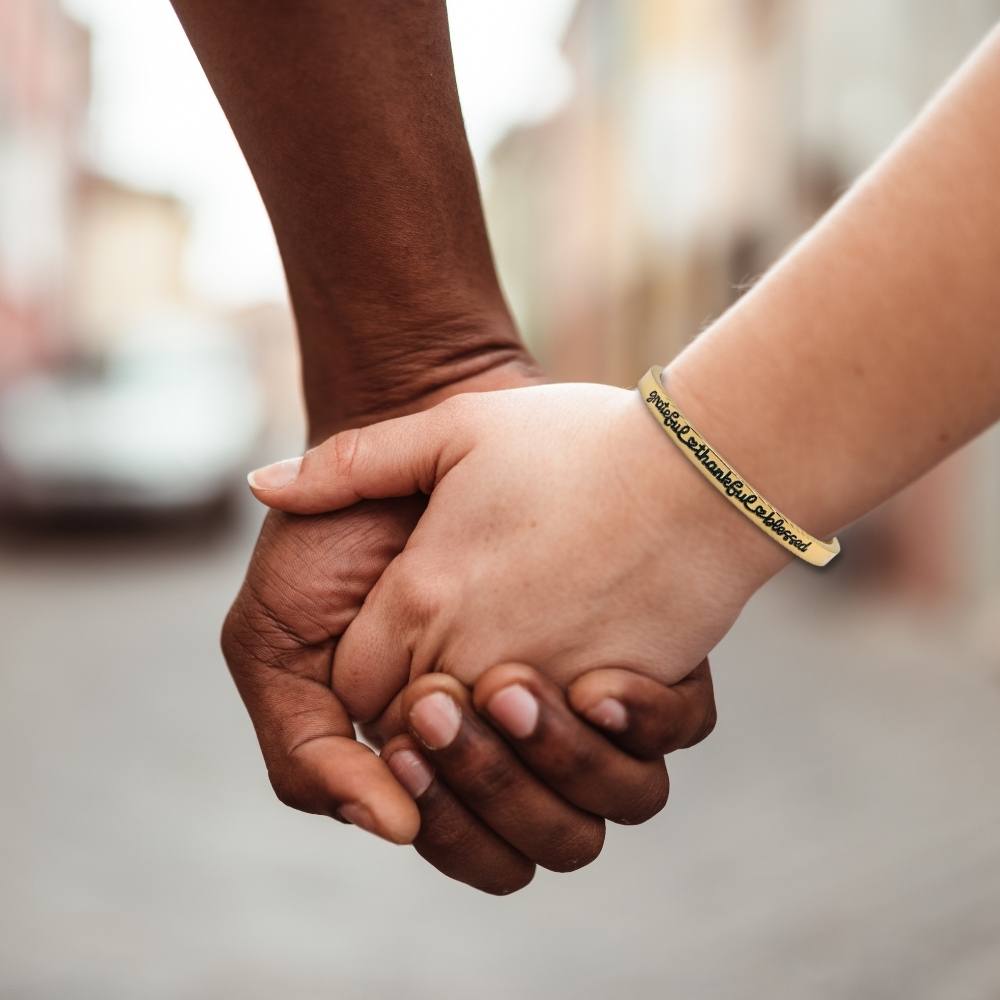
<point>560,532</point>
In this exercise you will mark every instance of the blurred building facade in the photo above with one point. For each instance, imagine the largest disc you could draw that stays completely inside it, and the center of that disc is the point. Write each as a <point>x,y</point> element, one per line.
<point>631,211</point>
<point>128,251</point>
<point>86,258</point>
<point>44,92</point>
<point>701,138</point>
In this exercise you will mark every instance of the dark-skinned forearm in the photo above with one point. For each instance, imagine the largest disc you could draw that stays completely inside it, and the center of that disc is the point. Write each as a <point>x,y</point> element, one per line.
<point>348,115</point>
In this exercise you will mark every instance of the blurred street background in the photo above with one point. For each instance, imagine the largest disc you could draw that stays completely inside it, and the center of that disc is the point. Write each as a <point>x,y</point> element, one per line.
<point>641,161</point>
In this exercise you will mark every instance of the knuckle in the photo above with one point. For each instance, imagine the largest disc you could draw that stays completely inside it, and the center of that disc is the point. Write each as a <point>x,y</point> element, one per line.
<point>424,600</point>
<point>236,635</point>
<point>228,641</point>
<point>650,738</point>
<point>489,778</point>
<point>456,411</point>
<point>708,725</point>
<point>345,448</point>
<point>570,759</point>
<point>449,831</point>
<point>255,635</point>
<point>404,573</point>
<point>455,406</point>
<point>423,592</point>
<point>288,792</point>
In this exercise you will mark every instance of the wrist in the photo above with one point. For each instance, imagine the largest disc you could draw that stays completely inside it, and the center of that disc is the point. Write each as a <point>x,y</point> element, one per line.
<point>469,357</point>
<point>755,387</point>
<point>768,420</point>
<point>727,544</point>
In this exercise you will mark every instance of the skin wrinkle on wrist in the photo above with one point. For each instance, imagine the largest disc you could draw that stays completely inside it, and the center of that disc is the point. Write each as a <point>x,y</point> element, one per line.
<point>398,394</point>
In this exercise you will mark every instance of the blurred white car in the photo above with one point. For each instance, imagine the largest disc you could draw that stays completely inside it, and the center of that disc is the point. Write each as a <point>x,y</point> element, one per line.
<point>168,419</point>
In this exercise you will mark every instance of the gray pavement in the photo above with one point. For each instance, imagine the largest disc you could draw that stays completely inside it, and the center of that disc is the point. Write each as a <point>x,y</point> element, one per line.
<point>838,837</point>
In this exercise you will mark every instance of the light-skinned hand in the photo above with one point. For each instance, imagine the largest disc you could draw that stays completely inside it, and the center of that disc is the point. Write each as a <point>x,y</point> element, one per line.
<point>562,530</point>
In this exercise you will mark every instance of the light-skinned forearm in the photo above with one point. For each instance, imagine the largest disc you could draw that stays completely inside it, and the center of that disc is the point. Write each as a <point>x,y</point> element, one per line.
<point>348,115</point>
<point>870,352</point>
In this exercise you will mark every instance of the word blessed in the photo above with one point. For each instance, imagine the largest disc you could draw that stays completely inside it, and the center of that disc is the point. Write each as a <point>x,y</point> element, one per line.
<point>733,488</point>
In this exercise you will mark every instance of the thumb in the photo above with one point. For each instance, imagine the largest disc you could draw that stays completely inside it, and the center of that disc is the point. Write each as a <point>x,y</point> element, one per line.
<point>393,458</point>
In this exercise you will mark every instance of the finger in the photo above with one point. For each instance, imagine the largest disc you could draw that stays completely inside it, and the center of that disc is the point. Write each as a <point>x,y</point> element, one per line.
<point>374,657</point>
<point>388,724</point>
<point>483,772</point>
<point>451,838</point>
<point>307,740</point>
<point>642,716</point>
<point>372,660</point>
<point>393,458</point>
<point>564,752</point>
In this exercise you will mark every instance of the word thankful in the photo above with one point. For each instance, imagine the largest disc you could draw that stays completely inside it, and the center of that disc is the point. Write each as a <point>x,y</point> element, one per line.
<point>734,488</point>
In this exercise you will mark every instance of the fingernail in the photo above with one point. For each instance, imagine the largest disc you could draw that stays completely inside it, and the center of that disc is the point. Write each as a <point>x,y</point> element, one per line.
<point>274,477</point>
<point>436,719</point>
<point>411,771</point>
<point>609,713</point>
<point>358,815</point>
<point>516,709</point>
